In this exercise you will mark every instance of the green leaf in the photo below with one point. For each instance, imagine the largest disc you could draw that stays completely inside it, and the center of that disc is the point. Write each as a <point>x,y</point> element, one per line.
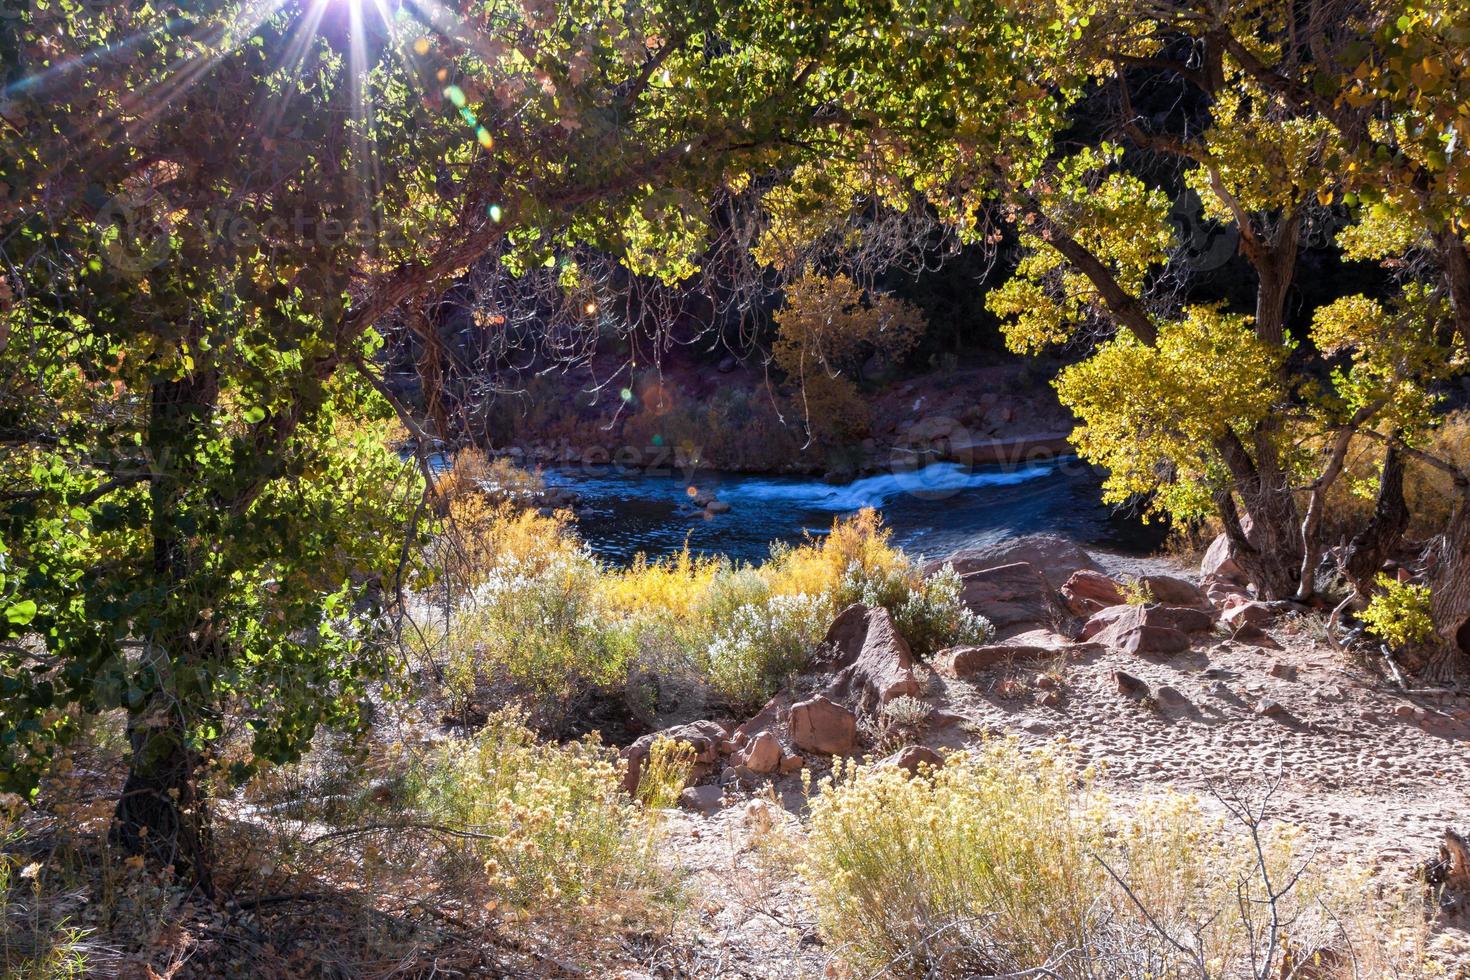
<point>21,613</point>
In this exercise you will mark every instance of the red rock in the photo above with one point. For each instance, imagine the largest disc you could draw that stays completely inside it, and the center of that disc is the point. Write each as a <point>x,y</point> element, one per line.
<point>1286,672</point>
<point>703,799</point>
<point>1109,625</point>
<point>822,725</point>
<point>703,736</point>
<point>967,661</point>
<point>912,757</point>
<point>1050,699</point>
<point>1170,591</point>
<point>1133,687</point>
<point>1054,557</point>
<point>769,718</point>
<point>1010,595</point>
<point>1219,560</point>
<point>1252,613</point>
<point>872,661</point>
<point>1254,636</point>
<point>762,755</point>
<point>1087,592</point>
<point>791,763</point>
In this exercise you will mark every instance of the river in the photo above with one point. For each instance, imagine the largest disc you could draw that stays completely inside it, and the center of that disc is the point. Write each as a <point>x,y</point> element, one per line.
<point>932,511</point>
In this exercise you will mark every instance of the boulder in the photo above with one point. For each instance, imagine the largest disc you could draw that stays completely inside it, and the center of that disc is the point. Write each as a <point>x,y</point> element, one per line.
<point>965,662</point>
<point>1010,595</point>
<point>761,755</point>
<point>1247,614</point>
<point>702,799</point>
<point>791,763</point>
<point>822,725</point>
<point>1087,592</point>
<point>1170,591</point>
<point>1252,635</point>
<point>1054,557</point>
<point>1130,686</point>
<point>1219,561</point>
<point>703,736</point>
<point>911,757</point>
<point>873,664</point>
<point>717,507</point>
<point>1145,630</point>
<point>1185,619</point>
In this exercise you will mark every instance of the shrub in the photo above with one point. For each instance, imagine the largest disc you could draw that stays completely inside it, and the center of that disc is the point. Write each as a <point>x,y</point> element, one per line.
<point>995,864</point>
<point>1399,614</point>
<point>762,646</point>
<point>549,826</point>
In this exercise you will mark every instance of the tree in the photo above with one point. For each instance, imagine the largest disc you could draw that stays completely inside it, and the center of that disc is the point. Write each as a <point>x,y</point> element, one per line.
<point>1338,119</point>
<point>208,208</point>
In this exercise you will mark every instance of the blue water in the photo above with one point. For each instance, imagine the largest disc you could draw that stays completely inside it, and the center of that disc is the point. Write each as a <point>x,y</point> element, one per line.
<point>932,511</point>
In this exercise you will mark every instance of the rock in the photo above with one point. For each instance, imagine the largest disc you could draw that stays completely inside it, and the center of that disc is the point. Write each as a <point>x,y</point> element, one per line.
<point>1144,630</point>
<point>1223,592</point>
<point>1037,727</point>
<point>1170,591</point>
<point>1220,561</point>
<point>762,755</point>
<point>1053,556</point>
<point>703,736</point>
<point>1010,595</point>
<point>1252,613</point>
<point>911,757</point>
<point>1254,636</point>
<point>822,725</point>
<point>1172,698</point>
<point>726,365</point>
<point>1130,686</point>
<point>702,799</point>
<point>872,662</point>
<point>1268,708</point>
<point>1087,592</point>
<point>1185,619</point>
<point>717,507</point>
<point>1050,699</point>
<point>791,763</point>
<point>963,662</point>
<point>1330,692</point>
<point>1284,671</point>
<point>770,718</point>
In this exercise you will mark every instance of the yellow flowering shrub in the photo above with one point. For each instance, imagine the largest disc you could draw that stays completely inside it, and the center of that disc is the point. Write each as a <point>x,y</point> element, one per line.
<point>1399,614</point>
<point>551,828</point>
<point>1004,860</point>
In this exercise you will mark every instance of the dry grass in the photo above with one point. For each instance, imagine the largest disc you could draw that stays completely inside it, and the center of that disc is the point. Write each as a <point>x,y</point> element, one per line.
<point>1008,861</point>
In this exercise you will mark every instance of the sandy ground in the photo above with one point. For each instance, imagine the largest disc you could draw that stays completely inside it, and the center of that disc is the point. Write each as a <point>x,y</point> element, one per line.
<point>1371,773</point>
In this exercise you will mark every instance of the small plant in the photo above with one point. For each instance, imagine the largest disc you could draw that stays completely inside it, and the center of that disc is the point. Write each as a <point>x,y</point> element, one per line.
<point>1399,615</point>
<point>665,773</point>
<point>908,712</point>
<point>1136,592</point>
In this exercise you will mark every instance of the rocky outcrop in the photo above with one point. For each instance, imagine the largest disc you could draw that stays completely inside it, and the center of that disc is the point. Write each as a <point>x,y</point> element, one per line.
<point>1087,592</point>
<point>824,726</point>
<point>1010,596</point>
<point>872,662</point>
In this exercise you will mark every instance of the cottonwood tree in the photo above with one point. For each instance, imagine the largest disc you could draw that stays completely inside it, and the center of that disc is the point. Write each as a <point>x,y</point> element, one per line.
<point>207,208</point>
<point>1291,123</point>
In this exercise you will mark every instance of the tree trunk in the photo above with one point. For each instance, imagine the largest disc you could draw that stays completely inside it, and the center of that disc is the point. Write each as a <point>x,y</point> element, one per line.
<point>161,815</point>
<point>1371,546</point>
<point>1272,554</point>
<point>1449,585</point>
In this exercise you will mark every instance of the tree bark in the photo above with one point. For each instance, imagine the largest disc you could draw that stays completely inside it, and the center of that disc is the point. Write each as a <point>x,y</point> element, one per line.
<point>1449,596</point>
<point>1271,555</point>
<point>1371,546</point>
<point>161,814</point>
